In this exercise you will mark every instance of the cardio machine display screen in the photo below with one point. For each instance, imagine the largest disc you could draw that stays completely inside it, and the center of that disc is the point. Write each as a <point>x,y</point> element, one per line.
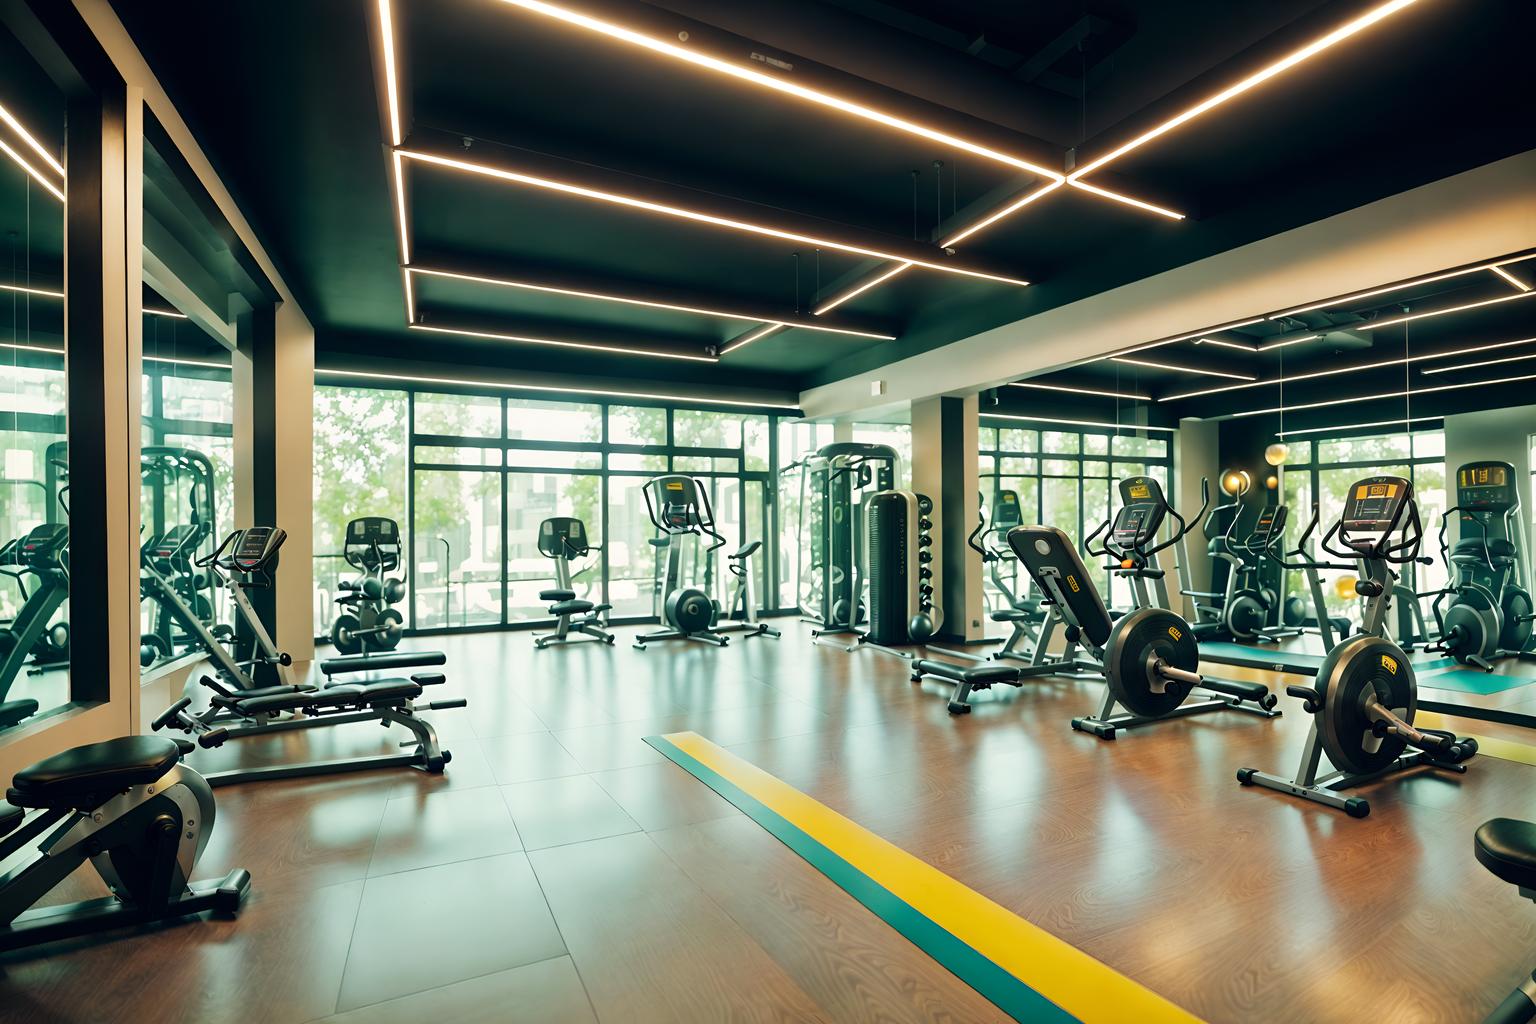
<point>1482,476</point>
<point>1373,506</point>
<point>1131,524</point>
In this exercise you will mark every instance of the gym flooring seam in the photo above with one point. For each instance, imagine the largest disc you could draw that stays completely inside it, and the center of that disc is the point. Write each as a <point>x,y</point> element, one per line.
<point>1025,971</point>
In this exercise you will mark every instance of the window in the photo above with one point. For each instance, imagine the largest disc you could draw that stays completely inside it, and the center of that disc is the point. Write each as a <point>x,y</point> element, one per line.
<point>897,436</point>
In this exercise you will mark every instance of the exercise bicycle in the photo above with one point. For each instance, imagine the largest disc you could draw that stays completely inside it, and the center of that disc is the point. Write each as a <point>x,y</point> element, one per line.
<point>1248,609</point>
<point>137,814</point>
<point>44,552</point>
<point>1507,848</point>
<point>1363,704</point>
<point>564,538</point>
<point>1150,658</point>
<point>370,622</point>
<point>679,506</point>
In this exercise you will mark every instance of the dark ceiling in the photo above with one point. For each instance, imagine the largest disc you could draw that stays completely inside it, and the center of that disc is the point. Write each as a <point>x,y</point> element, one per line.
<point>285,97</point>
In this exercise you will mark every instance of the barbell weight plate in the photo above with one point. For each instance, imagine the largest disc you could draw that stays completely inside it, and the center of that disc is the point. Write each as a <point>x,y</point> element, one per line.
<point>393,627</point>
<point>1474,631</point>
<point>344,633</point>
<point>1136,643</point>
<point>1350,672</point>
<point>1246,616</point>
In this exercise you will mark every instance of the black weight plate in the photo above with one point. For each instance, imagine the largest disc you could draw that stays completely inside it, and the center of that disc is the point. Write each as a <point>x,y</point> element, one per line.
<point>1517,604</point>
<point>344,634</point>
<point>1349,672</point>
<point>390,638</point>
<point>1475,628</point>
<point>1246,616</point>
<point>690,610</point>
<point>1135,644</point>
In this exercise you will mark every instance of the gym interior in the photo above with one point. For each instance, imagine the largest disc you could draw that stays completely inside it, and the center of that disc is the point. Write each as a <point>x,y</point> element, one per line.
<point>781,510</point>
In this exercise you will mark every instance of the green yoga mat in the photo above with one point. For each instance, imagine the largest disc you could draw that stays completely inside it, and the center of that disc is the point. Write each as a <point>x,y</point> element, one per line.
<point>1460,679</point>
<point>1302,663</point>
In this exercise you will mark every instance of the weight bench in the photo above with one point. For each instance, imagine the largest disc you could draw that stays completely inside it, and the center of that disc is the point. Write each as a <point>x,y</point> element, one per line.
<point>349,663</point>
<point>566,607</point>
<point>1507,847</point>
<point>235,714</point>
<point>13,712</point>
<point>966,678</point>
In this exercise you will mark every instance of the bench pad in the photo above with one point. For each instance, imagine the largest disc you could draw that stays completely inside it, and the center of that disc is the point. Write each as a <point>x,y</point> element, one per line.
<point>1507,847</point>
<point>85,777</point>
<point>976,675</point>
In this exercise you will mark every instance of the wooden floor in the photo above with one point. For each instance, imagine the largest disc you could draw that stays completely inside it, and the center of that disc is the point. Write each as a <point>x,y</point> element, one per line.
<point>563,871</point>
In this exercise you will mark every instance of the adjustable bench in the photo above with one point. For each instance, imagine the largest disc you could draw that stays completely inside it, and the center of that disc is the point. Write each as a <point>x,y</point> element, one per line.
<point>981,676</point>
<point>15,711</point>
<point>1507,847</point>
<point>370,662</point>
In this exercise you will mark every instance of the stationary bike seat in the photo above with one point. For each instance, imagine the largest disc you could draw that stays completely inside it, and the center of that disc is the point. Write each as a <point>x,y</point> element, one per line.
<point>1507,847</point>
<point>747,550</point>
<point>556,595</point>
<point>570,607</point>
<point>86,777</point>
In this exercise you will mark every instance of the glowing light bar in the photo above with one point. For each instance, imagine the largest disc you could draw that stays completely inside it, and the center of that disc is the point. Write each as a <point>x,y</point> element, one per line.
<point>41,179</point>
<point>778,84</point>
<point>558,343</point>
<point>1234,325</point>
<point>1259,77</point>
<point>1376,325</point>
<point>1360,426</point>
<point>31,291</point>
<point>36,147</point>
<point>171,313</point>
<point>1480,362</point>
<point>410,295</point>
<point>1386,394</point>
<point>1511,278</point>
<point>809,325</point>
<point>1132,427</point>
<point>751,336</point>
<point>1387,289</point>
<point>997,215</point>
<point>1271,346</point>
<point>1228,344</point>
<point>552,389</point>
<point>1396,361</point>
<point>187,362</point>
<point>1175,368</point>
<point>32,348</point>
<point>832,304</point>
<point>693,215</point>
<point>391,82</point>
<point>1161,211</point>
<point>401,220</point>
<point>1131,395</point>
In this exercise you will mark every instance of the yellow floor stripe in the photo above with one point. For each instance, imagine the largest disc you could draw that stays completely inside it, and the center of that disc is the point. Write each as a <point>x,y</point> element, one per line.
<point>1068,977</point>
<point>1492,746</point>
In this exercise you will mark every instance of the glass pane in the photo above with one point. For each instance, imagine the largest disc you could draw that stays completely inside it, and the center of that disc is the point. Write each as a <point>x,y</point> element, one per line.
<point>553,421</point>
<point>634,563</point>
<point>1095,469</point>
<point>699,428</point>
<point>1429,445</point>
<point>755,529</point>
<point>628,424</point>
<point>1010,439</point>
<point>531,499</point>
<point>458,533</point>
<point>197,399</point>
<point>798,438</point>
<point>1060,467</point>
<point>1300,453</point>
<point>1026,467</point>
<point>1150,447</point>
<point>897,436</point>
<point>1060,442</point>
<point>34,577</point>
<point>704,464</point>
<point>1096,444</point>
<point>360,470</point>
<point>1059,506</point>
<point>1096,499</point>
<point>1363,449</point>
<point>986,439</point>
<point>629,460</point>
<point>461,415</point>
<point>539,459</point>
<point>986,465</point>
<point>427,454</point>
<point>754,440</point>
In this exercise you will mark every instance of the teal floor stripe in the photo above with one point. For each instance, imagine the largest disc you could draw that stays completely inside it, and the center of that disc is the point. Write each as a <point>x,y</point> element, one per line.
<point>1469,680</point>
<point>1008,993</point>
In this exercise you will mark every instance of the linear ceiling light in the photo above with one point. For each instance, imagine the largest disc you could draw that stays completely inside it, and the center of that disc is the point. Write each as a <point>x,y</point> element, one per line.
<point>1227,344</point>
<point>833,303</point>
<point>1511,278</point>
<point>1396,361</point>
<point>36,147</point>
<point>171,313</point>
<point>693,215</point>
<point>1234,325</point>
<point>1284,342</point>
<point>1161,211</point>
<point>783,85</point>
<point>1480,362</point>
<point>31,291</point>
<point>1175,368</point>
<point>1387,289</point>
<point>756,334</point>
<point>558,343</point>
<point>1385,394</point>
<point>551,389</point>
<point>1131,395</point>
<point>997,215</point>
<point>1360,426</point>
<point>187,362</point>
<point>42,179</point>
<point>391,80</point>
<point>32,348</point>
<point>1132,427</point>
<point>1285,63</point>
<point>1375,325</point>
<point>810,325</point>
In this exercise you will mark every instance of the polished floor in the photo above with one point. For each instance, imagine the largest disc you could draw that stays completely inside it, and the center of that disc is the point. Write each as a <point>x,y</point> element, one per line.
<point>562,870</point>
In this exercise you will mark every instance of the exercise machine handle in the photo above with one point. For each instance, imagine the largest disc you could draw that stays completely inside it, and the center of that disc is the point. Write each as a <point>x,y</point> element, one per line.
<point>170,715</point>
<point>1311,700</point>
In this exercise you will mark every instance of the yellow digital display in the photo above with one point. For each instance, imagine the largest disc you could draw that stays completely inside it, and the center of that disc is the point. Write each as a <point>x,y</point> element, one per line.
<point>1140,492</point>
<point>674,485</point>
<point>1482,476</point>
<point>1009,499</point>
<point>1375,491</point>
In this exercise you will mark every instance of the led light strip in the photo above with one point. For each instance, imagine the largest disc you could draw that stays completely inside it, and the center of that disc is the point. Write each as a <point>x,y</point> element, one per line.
<point>37,147</point>
<point>559,343</point>
<point>21,161</point>
<point>1130,395</point>
<point>1009,210</point>
<point>401,218</point>
<point>171,313</point>
<point>50,350</point>
<point>1376,325</point>
<point>810,325</point>
<point>1174,368</point>
<point>1131,427</point>
<point>31,291</point>
<point>1313,48</point>
<point>1396,361</point>
<point>754,335</point>
<point>1361,426</point>
<point>1387,394</point>
<point>833,303</point>
<point>1511,278</point>
<point>1387,289</point>
<point>1161,211</point>
<point>32,348</point>
<point>551,389</point>
<point>663,209</point>
<point>391,77</point>
<point>1250,349</point>
<point>1273,345</point>
<point>1234,325</point>
<point>1480,362</point>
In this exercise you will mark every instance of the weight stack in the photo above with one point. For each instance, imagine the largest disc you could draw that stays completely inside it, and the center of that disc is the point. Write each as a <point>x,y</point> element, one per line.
<point>899,548</point>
